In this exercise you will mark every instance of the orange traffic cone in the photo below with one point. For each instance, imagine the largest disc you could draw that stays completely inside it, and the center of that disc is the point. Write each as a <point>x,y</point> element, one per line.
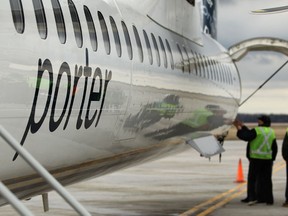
<point>240,176</point>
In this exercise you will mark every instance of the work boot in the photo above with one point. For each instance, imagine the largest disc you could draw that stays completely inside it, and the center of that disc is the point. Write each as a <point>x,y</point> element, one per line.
<point>253,202</point>
<point>246,200</point>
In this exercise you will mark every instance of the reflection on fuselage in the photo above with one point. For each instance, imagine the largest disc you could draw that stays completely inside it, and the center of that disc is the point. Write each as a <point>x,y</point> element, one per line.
<point>153,112</point>
<point>207,119</point>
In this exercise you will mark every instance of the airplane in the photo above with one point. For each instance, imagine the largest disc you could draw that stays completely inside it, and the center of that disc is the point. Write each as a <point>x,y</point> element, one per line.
<point>89,87</point>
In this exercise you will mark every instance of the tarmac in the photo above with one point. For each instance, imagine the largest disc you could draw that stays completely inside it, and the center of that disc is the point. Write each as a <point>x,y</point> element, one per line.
<point>184,184</point>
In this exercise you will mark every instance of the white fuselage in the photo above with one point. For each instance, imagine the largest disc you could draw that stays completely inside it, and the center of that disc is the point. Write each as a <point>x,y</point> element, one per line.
<point>87,107</point>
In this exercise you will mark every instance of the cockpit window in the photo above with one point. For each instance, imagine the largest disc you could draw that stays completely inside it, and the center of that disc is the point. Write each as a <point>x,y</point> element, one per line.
<point>40,18</point>
<point>76,24</point>
<point>59,19</point>
<point>18,15</point>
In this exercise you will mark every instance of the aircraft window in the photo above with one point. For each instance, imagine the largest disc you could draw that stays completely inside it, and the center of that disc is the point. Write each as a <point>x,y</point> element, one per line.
<point>182,59</point>
<point>163,52</point>
<point>230,76</point>
<point>221,73</point>
<point>188,61</point>
<point>202,60</point>
<point>216,70</point>
<point>225,75</point>
<point>171,56</point>
<point>18,15</point>
<point>212,69</point>
<point>150,56</point>
<point>59,19</point>
<point>193,63</point>
<point>210,65</point>
<point>207,67</point>
<point>192,2</point>
<point>104,33</point>
<point>138,41</point>
<point>128,41</point>
<point>91,28</point>
<point>40,18</point>
<point>199,65</point>
<point>156,48</point>
<point>116,36</point>
<point>76,24</point>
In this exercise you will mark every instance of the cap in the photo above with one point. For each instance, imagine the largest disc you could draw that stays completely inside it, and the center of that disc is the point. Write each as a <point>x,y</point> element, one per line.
<point>265,119</point>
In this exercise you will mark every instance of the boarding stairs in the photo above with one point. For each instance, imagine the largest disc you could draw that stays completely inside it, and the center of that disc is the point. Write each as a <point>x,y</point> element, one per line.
<point>32,162</point>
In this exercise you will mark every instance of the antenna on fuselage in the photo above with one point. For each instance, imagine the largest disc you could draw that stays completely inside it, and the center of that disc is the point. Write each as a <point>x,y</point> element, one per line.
<point>267,80</point>
<point>265,11</point>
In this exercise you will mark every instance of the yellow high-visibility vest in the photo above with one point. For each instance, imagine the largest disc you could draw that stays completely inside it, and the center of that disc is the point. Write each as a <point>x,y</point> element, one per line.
<point>261,146</point>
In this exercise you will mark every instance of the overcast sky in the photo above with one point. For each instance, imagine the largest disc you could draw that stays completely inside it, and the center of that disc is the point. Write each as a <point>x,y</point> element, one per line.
<point>235,24</point>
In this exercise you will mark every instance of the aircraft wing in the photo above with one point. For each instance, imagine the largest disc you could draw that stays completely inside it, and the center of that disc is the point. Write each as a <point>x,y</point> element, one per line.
<point>239,50</point>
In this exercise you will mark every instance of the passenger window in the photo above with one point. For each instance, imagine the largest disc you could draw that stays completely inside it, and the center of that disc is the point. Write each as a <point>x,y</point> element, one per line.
<point>150,56</point>
<point>116,37</point>
<point>40,18</point>
<point>156,49</point>
<point>182,59</point>
<point>76,24</point>
<point>163,52</point>
<point>171,56</point>
<point>187,62</point>
<point>221,73</point>
<point>128,40</point>
<point>104,33</point>
<point>206,67</point>
<point>59,19</point>
<point>203,65</point>
<point>91,28</point>
<point>199,65</point>
<point>138,42</point>
<point>216,70</point>
<point>18,15</point>
<point>193,64</point>
<point>211,69</point>
<point>230,76</point>
<point>225,75</point>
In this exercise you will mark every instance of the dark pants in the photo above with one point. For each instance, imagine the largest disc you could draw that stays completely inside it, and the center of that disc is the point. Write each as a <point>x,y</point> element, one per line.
<point>286,192</point>
<point>260,181</point>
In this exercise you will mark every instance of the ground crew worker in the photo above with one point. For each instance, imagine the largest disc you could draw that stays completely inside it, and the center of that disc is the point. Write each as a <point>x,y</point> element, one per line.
<point>262,152</point>
<point>285,157</point>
